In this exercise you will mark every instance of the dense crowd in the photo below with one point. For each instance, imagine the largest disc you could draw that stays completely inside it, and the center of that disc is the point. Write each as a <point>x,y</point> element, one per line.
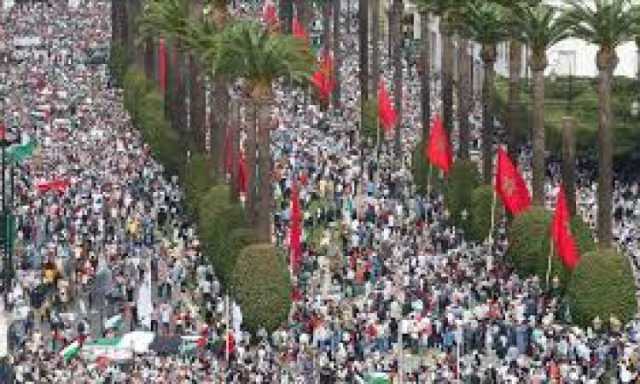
<point>383,270</point>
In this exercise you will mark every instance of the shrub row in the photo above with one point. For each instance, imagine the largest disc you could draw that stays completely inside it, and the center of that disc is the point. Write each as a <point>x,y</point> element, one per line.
<point>260,281</point>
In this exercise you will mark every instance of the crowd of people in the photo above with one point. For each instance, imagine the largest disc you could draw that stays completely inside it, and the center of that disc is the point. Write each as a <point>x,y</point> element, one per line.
<point>387,284</point>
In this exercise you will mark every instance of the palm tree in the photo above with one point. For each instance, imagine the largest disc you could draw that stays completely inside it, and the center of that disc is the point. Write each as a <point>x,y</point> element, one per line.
<point>448,12</point>
<point>197,91</point>
<point>606,23</point>
<point>485,23</point>
<point>169,19</point>
<point>119,30</point>
<point>539,27</point>
<point>249,52</point>
<point>286,15</point>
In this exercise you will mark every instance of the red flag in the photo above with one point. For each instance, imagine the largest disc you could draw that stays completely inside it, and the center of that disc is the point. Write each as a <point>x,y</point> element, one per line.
<point>59,185</point>
<point>162,65</point>
<point>386,112</point>
<point>295,229</point>
<point>243,177</point>
<point>3,131</point>
<point>561,233</point>
<point>230,344</point>
<point>298,30</point>
<point>510,185</point>
<point>439,150</point>
<point>269,15</point>
<point>228,153</point>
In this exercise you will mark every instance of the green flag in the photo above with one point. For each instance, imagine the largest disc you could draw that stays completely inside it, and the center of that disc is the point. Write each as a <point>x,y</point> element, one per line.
<point>19,153</point>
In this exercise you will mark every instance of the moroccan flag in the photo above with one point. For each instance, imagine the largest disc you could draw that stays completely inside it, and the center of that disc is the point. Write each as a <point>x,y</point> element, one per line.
<point>295,229</point>
<point>59,185</point>
<point>162,65</point>
<point>3,131</point>
<point>230,345</point>
<point>298,30</point>
<point>269,15</point>
<point>243,176</point>
<point>510,185</point>
<point>438,149</point>
<point>386,112</point>
<point>228,155</point>
<point>563,240</point>
<point>323,79</point>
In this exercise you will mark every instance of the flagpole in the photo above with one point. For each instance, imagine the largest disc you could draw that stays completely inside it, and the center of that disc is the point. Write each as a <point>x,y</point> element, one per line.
<point>226,343</point>
<point>429,181</point>
<point>493,216</point>
<point>549,262</point>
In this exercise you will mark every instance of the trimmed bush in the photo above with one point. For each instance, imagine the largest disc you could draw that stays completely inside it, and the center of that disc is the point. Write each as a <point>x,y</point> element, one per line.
<point>420,167</point>
<point>261,285</point>
<point>197,180</point>
<point>529,244</point>
<point>229,249</point>
<point>463,179</point>
<point>603,286</point>
<point>480,213</point>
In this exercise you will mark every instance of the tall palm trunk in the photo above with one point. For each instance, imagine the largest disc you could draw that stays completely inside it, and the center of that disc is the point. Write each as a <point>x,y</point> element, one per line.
<point>218,120</point>
<point>337,54</point>
<point>197,99</point>
<point>425,78</point>
<point>234,125</point>
<point>149,60</point>
<point>515,68</point>
<point>197,91</point>
<point>286,15</point>
<point>489,59</point>
<point>250,153</point>
<point>264,212</point>
<point>397,73</point>
<point>375,43</point>
<point>447,73</point>
<point>181,92</point>
<point>119,32</point>
<point>464,98</point>
<point>326,25</point>
<point>538,65</point>
<point>363,25</point>
<point>607,62</point>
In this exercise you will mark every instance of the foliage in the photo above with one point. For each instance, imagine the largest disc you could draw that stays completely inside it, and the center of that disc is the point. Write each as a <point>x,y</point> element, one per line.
<point>118,63</point>
<point>606,23</point>
<point>421,172</point>
<point>602,286</point>
<point>584,110</point>
<point>539,27</point>
<point>370,125</point>
<point>529,244</point>
<point>250,52</point>
<point>165,18</point>
<point>217,218</point>
<point>484,22</point>
<point>198,179</point>
<point>462,180</point>
<point>480,213</point>
<point>262,287</point>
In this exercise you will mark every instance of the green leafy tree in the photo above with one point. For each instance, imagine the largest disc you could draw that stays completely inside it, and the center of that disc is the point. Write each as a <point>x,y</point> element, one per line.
<point>607,24</point>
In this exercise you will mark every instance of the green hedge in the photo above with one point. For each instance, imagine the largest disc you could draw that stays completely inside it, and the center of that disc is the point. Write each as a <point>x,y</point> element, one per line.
<point>198,179</point>
<point>602,286</point>
<point>463,179</point>
<point>480,213</point>
<point>262,287</point>
<point>529,244</point>
<point>420,168</point>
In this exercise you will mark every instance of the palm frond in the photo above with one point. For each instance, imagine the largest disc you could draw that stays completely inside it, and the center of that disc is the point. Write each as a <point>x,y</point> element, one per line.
<point>164,18</point>
<point>484,22</point>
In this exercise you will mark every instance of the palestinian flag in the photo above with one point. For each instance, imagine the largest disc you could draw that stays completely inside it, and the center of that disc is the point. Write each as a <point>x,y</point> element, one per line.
<point>70,351</point>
